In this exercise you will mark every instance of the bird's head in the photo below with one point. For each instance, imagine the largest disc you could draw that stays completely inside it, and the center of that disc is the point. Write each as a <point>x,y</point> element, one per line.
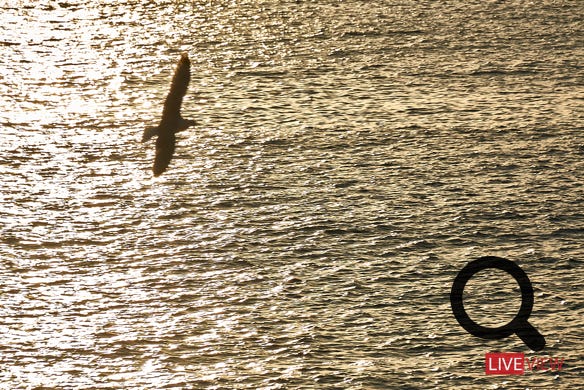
<point>185,124</point>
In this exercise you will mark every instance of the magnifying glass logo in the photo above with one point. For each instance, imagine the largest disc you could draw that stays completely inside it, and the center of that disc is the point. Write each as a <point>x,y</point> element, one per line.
<point>518,325</point>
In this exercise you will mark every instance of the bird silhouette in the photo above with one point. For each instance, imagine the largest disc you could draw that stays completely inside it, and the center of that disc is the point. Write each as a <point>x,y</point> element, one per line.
<point>172,122</point>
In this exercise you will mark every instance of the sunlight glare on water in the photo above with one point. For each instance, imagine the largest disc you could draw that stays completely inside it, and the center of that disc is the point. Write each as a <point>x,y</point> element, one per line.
<point>349,159</point>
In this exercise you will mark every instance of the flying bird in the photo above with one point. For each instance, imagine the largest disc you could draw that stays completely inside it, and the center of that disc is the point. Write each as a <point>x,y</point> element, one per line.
<point>172,122</point>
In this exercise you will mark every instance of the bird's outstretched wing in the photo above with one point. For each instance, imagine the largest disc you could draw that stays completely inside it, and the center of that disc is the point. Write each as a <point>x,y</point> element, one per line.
<point>178,88</point>
<point>164,151</point>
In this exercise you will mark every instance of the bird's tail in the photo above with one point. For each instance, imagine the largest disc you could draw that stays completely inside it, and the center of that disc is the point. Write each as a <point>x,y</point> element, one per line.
<point>149,132</point>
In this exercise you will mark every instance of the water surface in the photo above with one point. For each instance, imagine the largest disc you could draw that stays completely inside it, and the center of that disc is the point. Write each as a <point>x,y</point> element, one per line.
<point>350,158</point>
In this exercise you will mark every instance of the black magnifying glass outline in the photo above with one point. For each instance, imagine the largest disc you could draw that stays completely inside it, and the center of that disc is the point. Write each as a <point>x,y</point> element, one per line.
<point>518,325</point>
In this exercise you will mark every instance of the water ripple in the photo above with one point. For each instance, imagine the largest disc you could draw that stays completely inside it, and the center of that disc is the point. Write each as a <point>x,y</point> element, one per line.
<point>349,158</point>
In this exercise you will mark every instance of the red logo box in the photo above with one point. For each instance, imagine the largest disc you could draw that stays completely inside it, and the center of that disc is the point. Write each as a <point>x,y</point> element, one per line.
<point>505,363</point>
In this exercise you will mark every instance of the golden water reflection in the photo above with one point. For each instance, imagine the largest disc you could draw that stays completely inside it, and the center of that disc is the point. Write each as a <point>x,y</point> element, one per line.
<point>349,159</point>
